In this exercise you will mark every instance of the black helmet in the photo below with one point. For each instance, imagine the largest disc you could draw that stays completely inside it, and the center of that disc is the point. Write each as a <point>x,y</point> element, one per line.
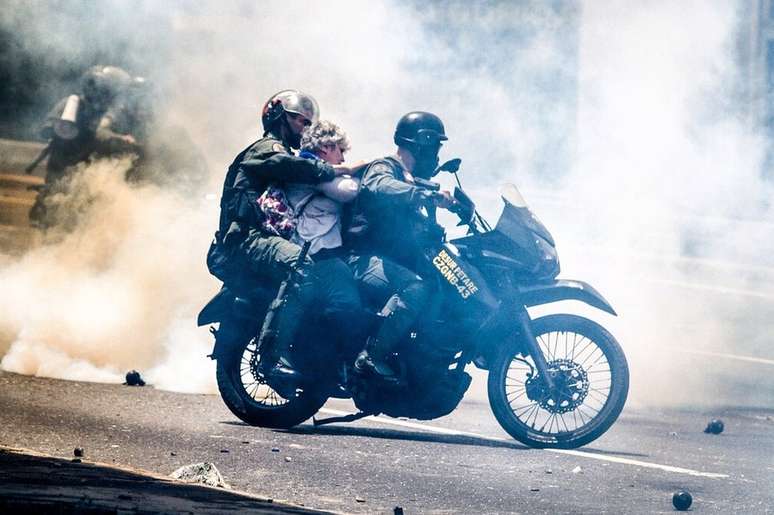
<point>419,128</point>
<point>421,134</point>
<point>289,101</point>
<point>101,84</point>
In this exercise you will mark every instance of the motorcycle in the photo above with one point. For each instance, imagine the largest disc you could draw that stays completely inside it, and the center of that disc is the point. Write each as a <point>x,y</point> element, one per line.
<point>557,381</point>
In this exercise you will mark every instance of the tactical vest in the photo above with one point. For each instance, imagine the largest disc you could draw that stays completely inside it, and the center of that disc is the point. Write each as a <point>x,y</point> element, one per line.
<point>357,229</point>
<point>237,214</point>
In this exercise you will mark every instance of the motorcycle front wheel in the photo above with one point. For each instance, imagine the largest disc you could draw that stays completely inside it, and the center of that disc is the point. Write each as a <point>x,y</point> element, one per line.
<point>248,395</point>
<point>591,379</point>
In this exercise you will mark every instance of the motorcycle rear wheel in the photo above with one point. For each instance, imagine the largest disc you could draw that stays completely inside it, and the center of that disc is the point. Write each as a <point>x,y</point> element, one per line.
<point>247,394</point>
<point>592,379</point>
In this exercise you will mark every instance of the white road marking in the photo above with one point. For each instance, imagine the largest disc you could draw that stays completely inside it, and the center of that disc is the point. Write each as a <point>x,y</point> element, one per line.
<point>716,289</point>
<point>750,359</point>
<point>571,452</point>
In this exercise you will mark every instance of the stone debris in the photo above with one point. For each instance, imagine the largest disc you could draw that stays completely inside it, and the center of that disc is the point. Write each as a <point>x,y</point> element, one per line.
<point>133,378</point>
<point>275,449</point>
<point>714,427</point>
<point>78,452</point>
<point>359,499</point>
<point>288,459</point>
<point>682,500</point>
<point>577,470</point>
<point>204,473</point>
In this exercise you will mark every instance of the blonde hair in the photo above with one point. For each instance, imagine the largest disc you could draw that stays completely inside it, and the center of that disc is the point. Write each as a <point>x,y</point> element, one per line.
<point>324,134</point>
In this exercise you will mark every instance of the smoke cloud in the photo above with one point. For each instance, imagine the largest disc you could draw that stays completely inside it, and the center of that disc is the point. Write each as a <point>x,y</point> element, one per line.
<point>623,126</point>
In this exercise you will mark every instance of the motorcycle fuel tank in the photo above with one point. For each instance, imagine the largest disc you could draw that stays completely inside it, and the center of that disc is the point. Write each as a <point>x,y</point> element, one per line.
<point>466,282</point>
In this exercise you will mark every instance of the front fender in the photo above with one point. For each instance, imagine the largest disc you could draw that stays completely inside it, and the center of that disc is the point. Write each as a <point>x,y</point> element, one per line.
<point>563,289</point>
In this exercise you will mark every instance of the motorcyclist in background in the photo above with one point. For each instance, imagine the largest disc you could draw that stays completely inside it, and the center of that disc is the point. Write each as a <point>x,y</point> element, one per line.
<point>77,128</point>
<point>382,229</point>
<point>167,156</point>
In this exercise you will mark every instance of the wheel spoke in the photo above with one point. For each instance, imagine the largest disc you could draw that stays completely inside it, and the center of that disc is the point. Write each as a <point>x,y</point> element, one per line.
<point>561,417</point>
<point>510,402</point>
<point>253,384</point>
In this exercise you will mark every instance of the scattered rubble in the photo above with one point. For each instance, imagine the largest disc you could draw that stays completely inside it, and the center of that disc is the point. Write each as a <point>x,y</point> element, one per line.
<point>288,459</point>
<point>204,473</point>
<point>359,499</point>
<point>133,378</point>
<point>714,427</point>
<point>577,470</point>
<point>682,500</point>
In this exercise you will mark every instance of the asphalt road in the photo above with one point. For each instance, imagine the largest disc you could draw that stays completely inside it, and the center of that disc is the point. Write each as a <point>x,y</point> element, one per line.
<point>462,463</point>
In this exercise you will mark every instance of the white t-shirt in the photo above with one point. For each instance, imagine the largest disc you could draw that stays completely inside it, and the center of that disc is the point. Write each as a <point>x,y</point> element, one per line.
<point>320,206</point>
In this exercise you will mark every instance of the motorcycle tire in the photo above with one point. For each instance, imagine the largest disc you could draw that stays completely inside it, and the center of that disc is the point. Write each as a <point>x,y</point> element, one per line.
<point>573,379</point>
<point>291,412</point>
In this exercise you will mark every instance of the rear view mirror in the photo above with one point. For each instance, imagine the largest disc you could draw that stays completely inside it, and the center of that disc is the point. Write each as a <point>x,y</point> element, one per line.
<point>452,165</point>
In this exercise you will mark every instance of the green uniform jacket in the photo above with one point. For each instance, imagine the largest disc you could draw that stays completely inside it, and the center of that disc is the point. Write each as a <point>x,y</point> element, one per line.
<point>267,161</point>
<point>385,216</point>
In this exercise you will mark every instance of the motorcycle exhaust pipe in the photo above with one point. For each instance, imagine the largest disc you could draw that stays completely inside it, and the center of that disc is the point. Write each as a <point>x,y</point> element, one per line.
<point>65,127</point>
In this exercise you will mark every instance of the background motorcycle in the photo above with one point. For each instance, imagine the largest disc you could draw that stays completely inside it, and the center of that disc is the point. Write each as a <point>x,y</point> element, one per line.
<point>556,381</point>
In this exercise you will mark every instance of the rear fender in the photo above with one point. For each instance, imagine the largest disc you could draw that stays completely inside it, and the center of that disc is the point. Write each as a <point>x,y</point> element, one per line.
<point>238,318</point>
<point>217,308</point>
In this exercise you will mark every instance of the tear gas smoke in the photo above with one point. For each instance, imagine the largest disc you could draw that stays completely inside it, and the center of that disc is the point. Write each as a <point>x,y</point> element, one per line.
<point>668,203</point>
<point>652,191</point>
<point>118,292</point>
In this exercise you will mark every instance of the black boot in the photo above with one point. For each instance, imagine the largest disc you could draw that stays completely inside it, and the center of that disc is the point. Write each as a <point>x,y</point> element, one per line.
<point>374,359</point>
<point>279,365</point>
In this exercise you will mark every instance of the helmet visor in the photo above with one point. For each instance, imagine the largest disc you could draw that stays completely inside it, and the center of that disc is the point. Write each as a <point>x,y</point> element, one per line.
<point>429,137</point>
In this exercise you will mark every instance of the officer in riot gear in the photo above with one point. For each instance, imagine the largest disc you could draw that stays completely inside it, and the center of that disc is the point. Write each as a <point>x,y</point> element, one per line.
<point>250,247</point>
<point>78,127</point>
<point>382,227</point>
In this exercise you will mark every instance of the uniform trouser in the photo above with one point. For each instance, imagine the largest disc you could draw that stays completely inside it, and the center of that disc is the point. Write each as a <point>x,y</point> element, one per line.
<point>57,181</point>
<point>383,282</point>
<point>328,287</point>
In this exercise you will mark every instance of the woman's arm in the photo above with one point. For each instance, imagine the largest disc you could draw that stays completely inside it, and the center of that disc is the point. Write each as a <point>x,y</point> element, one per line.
<point>353,169</point>
<point>341,189</point>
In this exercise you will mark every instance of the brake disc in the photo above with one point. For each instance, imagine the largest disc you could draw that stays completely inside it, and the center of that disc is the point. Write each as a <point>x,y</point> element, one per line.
<point>571,385</point>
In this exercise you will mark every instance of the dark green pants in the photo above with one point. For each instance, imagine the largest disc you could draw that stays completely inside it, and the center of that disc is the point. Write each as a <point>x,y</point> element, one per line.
<point>328,291</point>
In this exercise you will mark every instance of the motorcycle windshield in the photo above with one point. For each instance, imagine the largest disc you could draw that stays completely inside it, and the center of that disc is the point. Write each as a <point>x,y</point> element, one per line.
<point>517,218</point>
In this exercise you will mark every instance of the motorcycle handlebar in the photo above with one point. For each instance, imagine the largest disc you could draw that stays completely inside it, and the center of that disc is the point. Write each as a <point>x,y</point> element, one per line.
<point>426,185</point>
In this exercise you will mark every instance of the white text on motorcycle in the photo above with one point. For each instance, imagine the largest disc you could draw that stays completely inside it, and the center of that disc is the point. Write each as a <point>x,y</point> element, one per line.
<point>454,274</point>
